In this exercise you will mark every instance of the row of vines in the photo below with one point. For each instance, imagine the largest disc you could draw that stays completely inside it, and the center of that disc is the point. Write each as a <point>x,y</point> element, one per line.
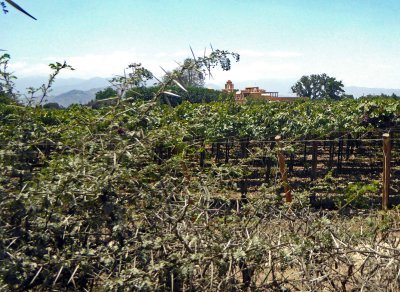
<point>131,198</point>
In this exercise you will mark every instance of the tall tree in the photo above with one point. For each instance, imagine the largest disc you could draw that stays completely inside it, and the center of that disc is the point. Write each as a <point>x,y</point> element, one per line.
<point>318,86</point>
<point>192,76</point>
<point>106,93</point>
<point>136,76</point>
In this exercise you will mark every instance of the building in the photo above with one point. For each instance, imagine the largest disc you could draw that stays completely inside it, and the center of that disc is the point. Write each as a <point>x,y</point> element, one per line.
<point>229,86</point>
<point>241,96</point>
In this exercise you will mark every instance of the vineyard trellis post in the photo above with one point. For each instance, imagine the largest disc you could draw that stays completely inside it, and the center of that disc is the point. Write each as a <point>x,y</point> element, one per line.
<point>340,155</point>
<point>202,153</point>
<point>314,160</point>
<point>283,170</point>
<point>331,153</point>
<point>386,170</point>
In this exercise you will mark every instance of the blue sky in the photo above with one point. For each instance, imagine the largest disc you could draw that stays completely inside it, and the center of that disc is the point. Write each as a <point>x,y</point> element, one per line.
<point>357,41</point>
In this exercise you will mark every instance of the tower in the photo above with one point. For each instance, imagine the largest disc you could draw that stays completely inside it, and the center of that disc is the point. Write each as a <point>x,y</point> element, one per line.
<point>229,86</point>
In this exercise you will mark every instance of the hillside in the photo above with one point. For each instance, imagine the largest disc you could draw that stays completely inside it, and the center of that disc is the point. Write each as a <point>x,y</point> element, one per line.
<point>75,90</point>
<point>62,85</point>
<point>357,91</point>
<point>75,97</point>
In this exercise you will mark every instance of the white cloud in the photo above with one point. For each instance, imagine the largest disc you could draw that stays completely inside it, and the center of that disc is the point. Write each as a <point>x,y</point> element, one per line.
<point>103,65</point>
<point>254,65</point>
<point>283,54</point>
<point>256,70</point>
<point>23,69</point>
<point>269,54</point>
<point>93,65</point>
<point>113,63</point>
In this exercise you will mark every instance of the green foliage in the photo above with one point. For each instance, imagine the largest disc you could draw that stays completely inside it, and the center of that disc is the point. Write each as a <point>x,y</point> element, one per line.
<point>134,82</point>
<point>137,76</point>
<point>38,96</point>
<point>356,194</point>
<point>191,77</point>
<point>369,96</point>
<point>192,94</point>
<point>113,199</point>
<point>202,95</point>
<point>319,86</point>
<point>52,105</point>
<point>106,93</point>
<point>6,99</point>
<point>251,99</point>
<point>198,66</point>
<point>7,85</point>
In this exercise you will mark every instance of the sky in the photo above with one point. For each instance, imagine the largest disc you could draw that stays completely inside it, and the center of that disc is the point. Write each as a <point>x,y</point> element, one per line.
<point>356,41</point>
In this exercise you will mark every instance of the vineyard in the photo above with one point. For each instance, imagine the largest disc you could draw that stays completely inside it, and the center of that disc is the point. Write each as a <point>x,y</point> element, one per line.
<point>149,197</point>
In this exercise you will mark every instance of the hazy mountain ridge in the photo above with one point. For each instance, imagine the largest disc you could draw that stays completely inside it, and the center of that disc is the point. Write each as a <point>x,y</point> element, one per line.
<point>75,96</point>
<point>81,91</point>
<point>360,91</point>
<point>62,85</point>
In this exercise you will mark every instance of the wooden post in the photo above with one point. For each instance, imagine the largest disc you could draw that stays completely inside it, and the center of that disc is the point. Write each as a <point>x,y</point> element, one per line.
<point>348,146</point>
<point>227,151</point>
<point>386,170</point>
<point>217,151</point>
<point>202,153</point>
<point>331,153</point>
<point>314,160</point>
<point>305,155</point>
<point>340,155</point>
<point>291,163</point>
<point>282,170</point>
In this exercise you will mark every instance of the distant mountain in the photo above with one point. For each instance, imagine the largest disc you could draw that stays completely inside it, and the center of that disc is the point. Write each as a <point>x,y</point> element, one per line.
<point>74,90</point>
<point>62,85</point>
<point>75,97</point>
<point>360,91</point>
